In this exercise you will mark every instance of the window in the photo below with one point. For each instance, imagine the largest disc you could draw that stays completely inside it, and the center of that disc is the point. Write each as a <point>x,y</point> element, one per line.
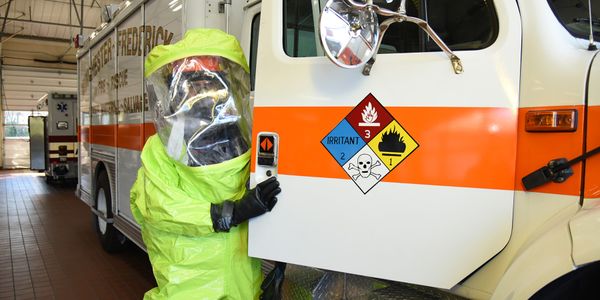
<point>575,17</point>
<point>299,33</point>
<point>254,48</point>
<point>16,123</point>
<point>462,24</point>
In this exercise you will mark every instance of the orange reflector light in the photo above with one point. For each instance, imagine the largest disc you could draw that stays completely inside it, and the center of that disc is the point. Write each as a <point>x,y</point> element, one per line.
<point>551,120</point>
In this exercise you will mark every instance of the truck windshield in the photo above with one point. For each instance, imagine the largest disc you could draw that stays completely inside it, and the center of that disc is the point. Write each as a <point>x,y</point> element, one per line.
<point>575,17</point>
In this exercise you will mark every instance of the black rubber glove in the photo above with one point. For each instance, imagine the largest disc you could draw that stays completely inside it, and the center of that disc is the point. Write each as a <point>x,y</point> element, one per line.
<point>255,202</point>
<point>271,286</point>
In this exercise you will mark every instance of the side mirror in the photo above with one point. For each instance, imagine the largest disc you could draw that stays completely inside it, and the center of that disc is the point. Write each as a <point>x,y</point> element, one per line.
<point>349,34</point>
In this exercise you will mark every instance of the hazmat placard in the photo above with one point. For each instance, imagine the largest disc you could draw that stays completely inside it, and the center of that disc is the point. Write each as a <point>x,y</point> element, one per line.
<point>369,143</point>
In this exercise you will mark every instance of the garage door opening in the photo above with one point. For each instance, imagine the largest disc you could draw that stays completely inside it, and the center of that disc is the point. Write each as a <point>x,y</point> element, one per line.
<point>16,139</point>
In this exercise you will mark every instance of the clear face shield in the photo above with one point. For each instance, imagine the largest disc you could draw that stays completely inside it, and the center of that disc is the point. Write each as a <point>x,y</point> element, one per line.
<point>201,109</point>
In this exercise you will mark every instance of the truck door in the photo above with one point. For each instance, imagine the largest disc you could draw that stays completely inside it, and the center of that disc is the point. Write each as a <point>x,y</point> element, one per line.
<point>37,143</point>
<point>563,26</point>
<point>406,174</point>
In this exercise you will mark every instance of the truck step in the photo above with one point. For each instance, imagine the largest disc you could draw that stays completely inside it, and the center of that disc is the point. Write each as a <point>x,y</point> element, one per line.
<point>310,283</point>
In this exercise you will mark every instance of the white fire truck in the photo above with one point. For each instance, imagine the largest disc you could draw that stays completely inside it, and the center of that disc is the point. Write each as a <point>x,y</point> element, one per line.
<point>53,138</point>
<point>397,161</point>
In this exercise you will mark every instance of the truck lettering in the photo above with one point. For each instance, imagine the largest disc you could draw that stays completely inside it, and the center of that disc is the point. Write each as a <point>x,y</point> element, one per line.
<point>119,80</point>
<point>130,39</point>
<point>132,104</point>
<point>102,56</point>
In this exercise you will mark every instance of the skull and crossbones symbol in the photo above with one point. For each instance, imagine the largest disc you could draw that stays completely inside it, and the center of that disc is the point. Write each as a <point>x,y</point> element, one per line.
<point>365,167</point>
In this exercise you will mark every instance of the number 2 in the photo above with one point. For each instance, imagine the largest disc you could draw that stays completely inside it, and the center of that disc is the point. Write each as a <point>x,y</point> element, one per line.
<point>343,156</point>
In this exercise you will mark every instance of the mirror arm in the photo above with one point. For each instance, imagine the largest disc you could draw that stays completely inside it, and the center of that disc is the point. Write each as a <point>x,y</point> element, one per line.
<point>402,8</point>
<point>383,27</point>
<point>400,16</point>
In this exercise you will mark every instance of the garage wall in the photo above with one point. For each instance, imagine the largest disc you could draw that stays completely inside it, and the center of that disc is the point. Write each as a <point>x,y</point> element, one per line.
<point>2,105</point>
<point>22,87</point>
<point>16,154</point>
<point>1,135</point>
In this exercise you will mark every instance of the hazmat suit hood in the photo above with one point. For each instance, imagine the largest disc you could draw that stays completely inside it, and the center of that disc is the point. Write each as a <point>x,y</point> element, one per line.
<point>198,91</point>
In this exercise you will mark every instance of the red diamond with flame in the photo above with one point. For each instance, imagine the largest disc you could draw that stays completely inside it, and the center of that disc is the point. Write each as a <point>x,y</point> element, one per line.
<point>369,117</point>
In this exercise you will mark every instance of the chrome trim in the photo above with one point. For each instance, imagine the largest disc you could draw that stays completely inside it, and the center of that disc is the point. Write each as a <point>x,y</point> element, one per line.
<point>102,155</point>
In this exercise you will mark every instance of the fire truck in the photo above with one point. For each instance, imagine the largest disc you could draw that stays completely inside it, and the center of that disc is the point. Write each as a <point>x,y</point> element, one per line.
<point>445,145</point>
<point>53,138</point>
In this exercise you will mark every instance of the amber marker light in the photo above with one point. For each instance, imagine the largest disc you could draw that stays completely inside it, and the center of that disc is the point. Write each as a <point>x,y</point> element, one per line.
<point>564,120</point>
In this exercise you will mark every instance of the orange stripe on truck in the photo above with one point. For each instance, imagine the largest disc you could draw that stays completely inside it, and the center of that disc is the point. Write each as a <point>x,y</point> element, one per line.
<point>592,169</point>
<point>134,136</point>
<point>463,147</point>
<point>126,136</point>
<point>104,135</point>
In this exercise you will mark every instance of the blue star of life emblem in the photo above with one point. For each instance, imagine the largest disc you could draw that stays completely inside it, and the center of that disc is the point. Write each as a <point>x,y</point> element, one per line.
<point>62,107</point>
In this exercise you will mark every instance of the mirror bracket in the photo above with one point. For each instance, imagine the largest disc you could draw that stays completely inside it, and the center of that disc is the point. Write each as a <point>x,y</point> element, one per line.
<point>456,64</point>
<point>368,66</point>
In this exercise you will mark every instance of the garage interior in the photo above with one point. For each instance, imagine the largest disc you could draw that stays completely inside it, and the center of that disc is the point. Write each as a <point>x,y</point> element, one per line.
<point>48,249</point>
<point>456,160</point>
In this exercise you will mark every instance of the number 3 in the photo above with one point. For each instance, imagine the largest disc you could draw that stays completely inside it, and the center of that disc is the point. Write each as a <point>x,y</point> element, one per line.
<point>367,134</point>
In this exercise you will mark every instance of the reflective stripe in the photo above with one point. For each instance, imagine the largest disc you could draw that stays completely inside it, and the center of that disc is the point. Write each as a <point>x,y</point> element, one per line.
<point>57,160</point>
<point>127,136</point>
<point>133,136</point>
<point>62,139</point>
<point>592,170</point>
<point>70,155</point>
<point>462,147</point>
<point>55,146</point>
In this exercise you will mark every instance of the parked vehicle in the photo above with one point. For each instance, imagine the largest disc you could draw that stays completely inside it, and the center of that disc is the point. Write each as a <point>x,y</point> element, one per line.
<point>53,138</point>
<point>406,166</point>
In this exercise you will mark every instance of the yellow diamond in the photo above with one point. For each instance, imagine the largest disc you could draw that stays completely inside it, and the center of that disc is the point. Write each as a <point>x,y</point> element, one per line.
<point>393,144</point>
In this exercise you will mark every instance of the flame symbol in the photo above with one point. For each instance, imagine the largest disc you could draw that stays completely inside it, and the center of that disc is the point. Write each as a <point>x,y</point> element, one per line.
<point>369,114</point>
<point>392,143</point>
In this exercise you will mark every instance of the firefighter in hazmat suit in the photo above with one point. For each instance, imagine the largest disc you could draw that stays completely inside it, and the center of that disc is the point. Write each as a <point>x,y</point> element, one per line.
<point>190,196</point>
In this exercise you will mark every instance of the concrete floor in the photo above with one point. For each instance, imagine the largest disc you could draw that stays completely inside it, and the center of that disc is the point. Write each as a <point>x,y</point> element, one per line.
<point>49,250</point>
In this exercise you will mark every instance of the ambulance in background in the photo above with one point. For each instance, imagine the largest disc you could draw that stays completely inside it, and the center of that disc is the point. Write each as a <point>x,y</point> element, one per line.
<point>53,138</point>
<point>469,171</point>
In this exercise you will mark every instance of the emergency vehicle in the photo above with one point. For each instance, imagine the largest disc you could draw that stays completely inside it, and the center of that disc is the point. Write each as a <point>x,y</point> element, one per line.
<point>53,138</point>
<point>398,162</point>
